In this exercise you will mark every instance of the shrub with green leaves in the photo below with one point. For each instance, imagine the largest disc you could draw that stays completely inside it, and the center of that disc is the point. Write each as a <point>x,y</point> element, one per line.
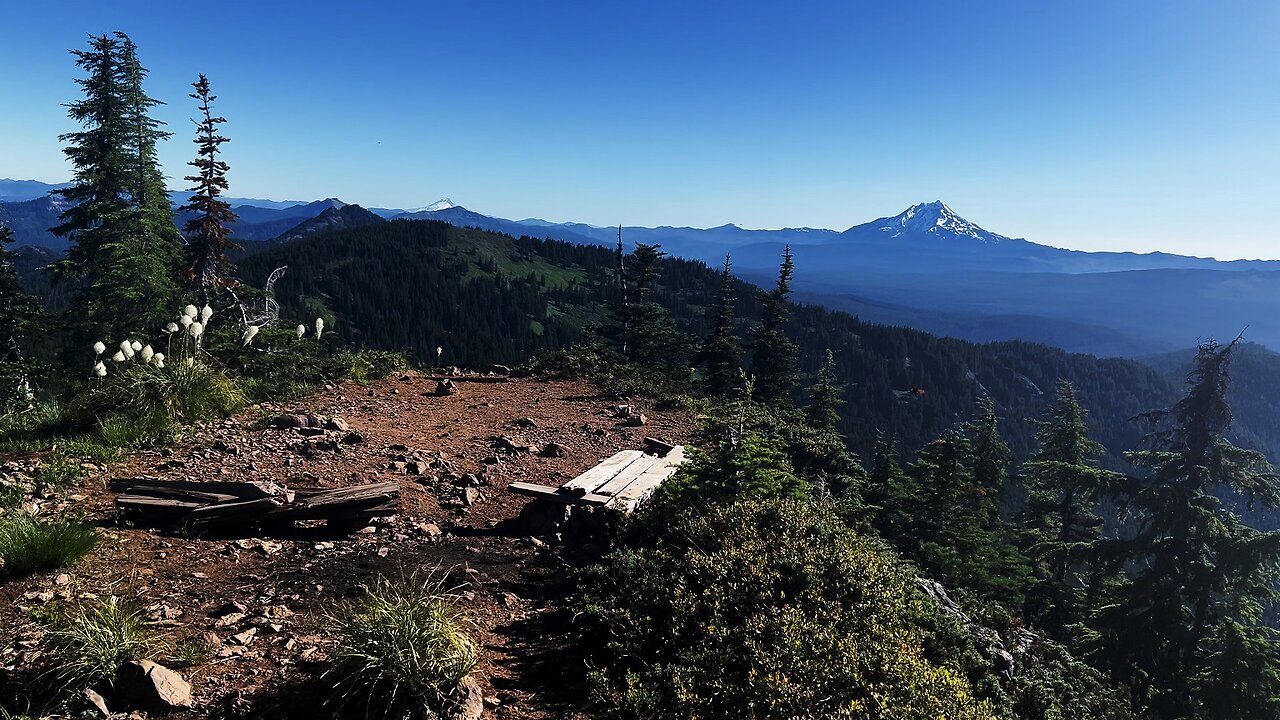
<point>402,648</point>
<point>177,391</point>
<point>28,545</point>
<point>765,609</point>
<point>88,644</point>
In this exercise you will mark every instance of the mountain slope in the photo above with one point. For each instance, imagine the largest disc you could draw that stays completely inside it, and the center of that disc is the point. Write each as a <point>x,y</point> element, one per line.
<point>487,298</point>
<point>338,217</point>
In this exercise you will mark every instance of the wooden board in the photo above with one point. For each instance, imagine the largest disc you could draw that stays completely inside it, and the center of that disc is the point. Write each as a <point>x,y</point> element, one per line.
<point>550,493</point>
<point>629,475</point>
<point>643,486</point>
<point>588,481</point>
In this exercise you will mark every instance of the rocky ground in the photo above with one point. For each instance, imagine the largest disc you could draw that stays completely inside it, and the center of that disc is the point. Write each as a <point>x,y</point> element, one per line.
<point>259,603</point>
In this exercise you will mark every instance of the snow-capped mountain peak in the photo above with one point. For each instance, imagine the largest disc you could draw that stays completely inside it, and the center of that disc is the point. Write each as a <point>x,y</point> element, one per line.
<point>934,218</point>
<point>437,206</point>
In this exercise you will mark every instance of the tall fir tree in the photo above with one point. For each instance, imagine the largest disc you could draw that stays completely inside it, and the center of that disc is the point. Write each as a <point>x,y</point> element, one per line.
<point>773,355</point>
<point>645,333</point>
<point>124,245</point>
<point>18,315</point>
<point>207,266</point>
<point>1184,628</point>
<point>721,354</point>
<point>1060,520</point>
<point>824,397</point>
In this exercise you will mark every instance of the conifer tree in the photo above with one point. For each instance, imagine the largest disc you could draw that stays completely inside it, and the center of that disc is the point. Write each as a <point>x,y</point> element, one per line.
<point>1064,488</point>
<point>990,455</point>
<point>1184,627</point>
<point>721,354</point>
<point>18,312</point>
<point>124,245</point>
<point>773,360</point>
<point>207,266</point>
<point>824,397</point>
<point>650,337</point>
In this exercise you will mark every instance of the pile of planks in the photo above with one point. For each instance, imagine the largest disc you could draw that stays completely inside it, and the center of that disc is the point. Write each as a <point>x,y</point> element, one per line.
<point>206,505</point>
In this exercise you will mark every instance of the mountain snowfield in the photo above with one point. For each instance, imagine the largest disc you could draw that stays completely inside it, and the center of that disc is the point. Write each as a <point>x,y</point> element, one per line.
<point>926,267</point>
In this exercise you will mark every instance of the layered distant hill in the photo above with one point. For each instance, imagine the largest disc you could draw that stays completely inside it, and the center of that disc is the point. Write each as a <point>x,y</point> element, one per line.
<point>926,267</point>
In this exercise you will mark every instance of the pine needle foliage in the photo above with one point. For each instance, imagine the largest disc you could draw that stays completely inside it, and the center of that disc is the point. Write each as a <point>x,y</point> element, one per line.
<point>773,354</point>
<point>207,266</point>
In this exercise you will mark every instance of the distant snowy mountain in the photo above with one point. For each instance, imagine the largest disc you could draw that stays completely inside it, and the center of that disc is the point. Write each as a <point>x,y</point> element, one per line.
<point>933,219</point>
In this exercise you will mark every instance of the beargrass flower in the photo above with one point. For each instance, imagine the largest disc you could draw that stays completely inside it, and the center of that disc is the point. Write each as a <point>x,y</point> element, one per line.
<point>249,332</point>
<point>186,320</point>
<point>196,329</point>
<point>158,359</point>
<point>147,353</point>
<point>137,346</point>
<point>99,348</point>
<point>172,327</point>
<point>190,311</point>
<point>118,357</point>
<point>319,327</point>
<point>302,330</point>
<point>205,313</point>
<point>100,370</point>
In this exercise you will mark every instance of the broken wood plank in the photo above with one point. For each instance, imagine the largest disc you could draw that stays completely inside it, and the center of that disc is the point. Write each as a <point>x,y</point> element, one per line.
<point>588,481</point>
<point>145,503</point>
<point>243,490</point>
<point>233,512</point>
<point>658,447</point>
<point>469,378</point>
<point>628,475</point>
<point>549,493</point>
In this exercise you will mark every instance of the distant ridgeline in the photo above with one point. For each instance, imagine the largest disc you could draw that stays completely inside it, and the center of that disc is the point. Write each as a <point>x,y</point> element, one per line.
<point>488,298</point>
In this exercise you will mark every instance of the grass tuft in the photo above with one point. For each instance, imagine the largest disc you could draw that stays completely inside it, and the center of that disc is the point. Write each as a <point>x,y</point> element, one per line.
<point>404,646</point>
<point>90,643</point>
<point>28,545</point>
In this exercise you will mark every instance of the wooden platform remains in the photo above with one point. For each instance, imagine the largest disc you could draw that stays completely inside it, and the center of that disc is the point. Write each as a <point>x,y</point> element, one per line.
<point>204,505</point>
<point>620,482</point>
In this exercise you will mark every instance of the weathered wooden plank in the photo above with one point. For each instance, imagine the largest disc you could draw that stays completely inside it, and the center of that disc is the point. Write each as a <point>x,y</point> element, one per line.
<point>629,474</point>
<point>588,481</point>
<point>643,486</point>
<point>553,494</point>
<point>153,504</point>
<point>232,512</point>
<point>242,490</point>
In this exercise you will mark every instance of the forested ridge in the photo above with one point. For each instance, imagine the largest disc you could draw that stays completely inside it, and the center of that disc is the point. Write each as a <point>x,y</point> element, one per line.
<point>486,298</point>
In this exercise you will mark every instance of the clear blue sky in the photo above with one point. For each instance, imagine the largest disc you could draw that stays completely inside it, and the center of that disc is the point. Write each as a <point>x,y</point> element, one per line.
<point>1088,124</point>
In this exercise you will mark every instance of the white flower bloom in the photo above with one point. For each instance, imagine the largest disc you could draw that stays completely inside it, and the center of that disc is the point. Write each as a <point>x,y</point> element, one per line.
<point>190,311</point>
<point>158,359</point>
<point>172,327</point>
<point>159,364</point>
<point>137,346</point>
<point>147,353</point>
<point>118,357</point>
<point>439,352</point>
<point>302,330</point>
<point>196,329</point>
<point>205,313</point>
<point>249,332</point>
<point>99,348</point>
<point>100,370</point>
<point>319,327</point>
<point>186,321</point>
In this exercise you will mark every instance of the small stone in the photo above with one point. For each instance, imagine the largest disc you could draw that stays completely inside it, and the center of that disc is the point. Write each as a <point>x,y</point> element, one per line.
<point>150,686</point>
<point>337,424</point>
<point>62,579</point>
<point>352,438</point>
<point>229,619</point>
<point>637,420</point>
<point>96,700</point>
<point>470,699</point>
<point>246,637</point>
<point>554,450</point>
<point>445,387</point>
<point>470,496</point>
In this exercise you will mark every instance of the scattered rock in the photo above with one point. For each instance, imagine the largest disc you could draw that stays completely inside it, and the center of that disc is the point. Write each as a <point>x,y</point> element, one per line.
<point>150,686</point>
<point>470,700</point>
<point>96,700</point>
<point>310,431</point>
<point>353,438</point>
<point>554,450</point>
<point>636,420</point>
<point>337,424</point>
<point>445,387</point>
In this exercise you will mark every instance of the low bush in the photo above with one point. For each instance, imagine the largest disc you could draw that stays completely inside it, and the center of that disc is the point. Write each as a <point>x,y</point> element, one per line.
<point>402,648</point>
<point>88,644</point>
<point>765,609</point>
<point>28,545</point>
<point>177,391</point>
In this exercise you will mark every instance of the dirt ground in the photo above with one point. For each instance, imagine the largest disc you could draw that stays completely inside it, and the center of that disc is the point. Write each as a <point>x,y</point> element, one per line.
<point>260,603</point>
